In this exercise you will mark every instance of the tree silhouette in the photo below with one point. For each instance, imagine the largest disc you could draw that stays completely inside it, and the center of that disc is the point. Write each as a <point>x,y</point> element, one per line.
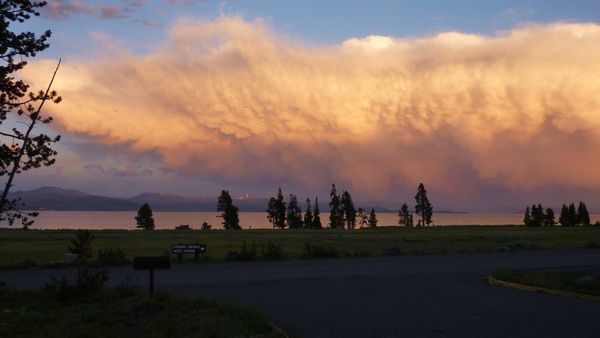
<point>276,211</point>
<point>229,212</point>
<point>363,218</point>
<point>317,215</point>
<point>348,210</point>
<point>423,208</point>
<point>294,213</point>
<point>583,216</point>
<point>81,245</point>
<point>549,221</point>
<point>144,217</point>
<point>24,150</point>
<point>335,212</point>
<point>527,217</point>
<point>405,217</point>
<point>308,215</point>
<point>372,218</point>
<point>572,215</point>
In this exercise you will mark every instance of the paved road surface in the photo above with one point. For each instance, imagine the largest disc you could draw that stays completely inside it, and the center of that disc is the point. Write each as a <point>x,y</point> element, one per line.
<point>412,296</point>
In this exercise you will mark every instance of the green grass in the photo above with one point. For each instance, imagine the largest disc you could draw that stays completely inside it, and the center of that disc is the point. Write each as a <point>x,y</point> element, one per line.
<point>114,314</point>
<point>584,282</point>
<point>27,248</point>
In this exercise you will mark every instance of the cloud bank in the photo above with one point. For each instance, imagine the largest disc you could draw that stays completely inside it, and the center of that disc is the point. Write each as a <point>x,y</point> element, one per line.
<point>233,100</point>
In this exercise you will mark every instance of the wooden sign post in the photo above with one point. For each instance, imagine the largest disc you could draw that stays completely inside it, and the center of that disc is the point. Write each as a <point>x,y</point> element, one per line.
<point>151,263</point>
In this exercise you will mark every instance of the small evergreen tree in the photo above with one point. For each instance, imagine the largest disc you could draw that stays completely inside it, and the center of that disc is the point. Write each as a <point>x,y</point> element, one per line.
<point>308,216</point>
<point>537,215</point>
<point>549,221</point>
<point>423,207</point>
<point>572,215</point>
<point>527,218</point>
<point>81,245</point>
<point>144,217</point>
<point>229,212</point>
<point>317,215</point>
<point>276,211</point>
<point>405,216</point>
<point>372,218</point>
<point>294,213</point>
<point>335,212</point>
<point>583,216</point>
<point>348,210</point>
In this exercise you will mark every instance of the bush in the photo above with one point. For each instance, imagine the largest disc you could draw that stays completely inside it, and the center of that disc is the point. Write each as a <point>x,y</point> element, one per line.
<point>114,257</point>
<point>205,226</point>
<point>88,280</point>
<point>319,251</point>
<point>272,252</point>
<point>247,253</point>
<point>183,227</point>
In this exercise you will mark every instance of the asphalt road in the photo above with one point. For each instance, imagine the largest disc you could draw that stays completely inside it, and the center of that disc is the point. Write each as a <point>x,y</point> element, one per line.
<point>412,296</point>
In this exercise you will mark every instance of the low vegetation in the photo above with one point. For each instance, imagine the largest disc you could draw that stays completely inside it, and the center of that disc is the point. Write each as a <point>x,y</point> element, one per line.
<point>45,248</point>
<point>123,312</point>
<point>581,282</point>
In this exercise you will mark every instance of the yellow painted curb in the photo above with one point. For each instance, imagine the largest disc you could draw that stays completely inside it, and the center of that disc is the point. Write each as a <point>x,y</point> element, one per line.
<point>523,287</point>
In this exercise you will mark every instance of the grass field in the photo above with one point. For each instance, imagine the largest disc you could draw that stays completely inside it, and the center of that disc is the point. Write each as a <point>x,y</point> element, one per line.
<point>110,313</point>
<point>26,248</point>
<point>582,282</point>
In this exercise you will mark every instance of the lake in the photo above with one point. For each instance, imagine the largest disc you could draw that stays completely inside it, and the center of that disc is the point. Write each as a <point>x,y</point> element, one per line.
<point>254,220</point>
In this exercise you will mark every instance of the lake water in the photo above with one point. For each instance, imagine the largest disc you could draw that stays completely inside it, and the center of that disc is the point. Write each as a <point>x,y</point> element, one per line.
<point>254,220</point>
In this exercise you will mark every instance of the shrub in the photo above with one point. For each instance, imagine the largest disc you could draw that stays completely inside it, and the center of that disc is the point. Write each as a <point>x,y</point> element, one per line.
<point>319,251</point>
<point>205,226</point>
<point>183,227</point>
<point>87,280</point>
<point>272,252</point>
<point>81,245</point>
<point>247,253</point>
<point>114,257</point>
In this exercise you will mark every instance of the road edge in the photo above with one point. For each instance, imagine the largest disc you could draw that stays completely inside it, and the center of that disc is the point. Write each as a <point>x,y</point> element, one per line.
<point>495,281</point>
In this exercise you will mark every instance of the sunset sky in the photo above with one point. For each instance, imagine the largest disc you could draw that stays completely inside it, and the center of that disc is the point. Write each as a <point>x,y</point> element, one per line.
<point>492,105</point>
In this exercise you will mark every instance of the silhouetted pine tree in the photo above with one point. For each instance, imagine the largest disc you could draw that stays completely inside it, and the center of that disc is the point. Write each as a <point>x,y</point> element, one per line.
<point>294,213</point>
<point>405,216</point>
<point>276,210</point>
<point>348,210</point>
<point>144,217</point>
<point>537,215</point>
<point>372,218</point>
<point>335,212</point>
<point>423,207</point>
<point>317,215</point>
<point>563,219</point>
<point>549,221</point>
<point>527,218</point>
<point>572,215</point>
<point>229,212</point>
<point>583,217</point>
<point>308,216</point>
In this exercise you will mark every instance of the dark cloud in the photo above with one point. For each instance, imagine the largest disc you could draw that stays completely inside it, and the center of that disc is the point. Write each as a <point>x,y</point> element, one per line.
<point>129,171</point>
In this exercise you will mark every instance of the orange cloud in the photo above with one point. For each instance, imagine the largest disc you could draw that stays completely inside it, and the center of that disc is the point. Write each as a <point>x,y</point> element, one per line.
<point>234,99</point>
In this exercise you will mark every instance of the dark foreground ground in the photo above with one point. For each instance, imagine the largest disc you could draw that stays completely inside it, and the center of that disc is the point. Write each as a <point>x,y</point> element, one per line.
<point>412,296</point>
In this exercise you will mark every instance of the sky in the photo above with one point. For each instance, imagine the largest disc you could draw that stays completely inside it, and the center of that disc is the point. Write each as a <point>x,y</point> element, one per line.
<point>491,104</point>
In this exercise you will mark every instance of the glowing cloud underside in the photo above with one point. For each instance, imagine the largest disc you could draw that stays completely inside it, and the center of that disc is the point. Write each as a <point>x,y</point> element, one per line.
<point>232,99</point>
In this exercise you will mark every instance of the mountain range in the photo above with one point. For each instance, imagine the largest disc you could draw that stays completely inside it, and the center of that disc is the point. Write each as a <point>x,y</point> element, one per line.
<point>55,198</point>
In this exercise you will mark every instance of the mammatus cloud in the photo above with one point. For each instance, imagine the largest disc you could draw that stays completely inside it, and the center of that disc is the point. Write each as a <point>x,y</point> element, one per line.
<point>231,99</point>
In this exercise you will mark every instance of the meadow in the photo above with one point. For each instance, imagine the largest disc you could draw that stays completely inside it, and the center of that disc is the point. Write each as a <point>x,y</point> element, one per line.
<point>43,248</point>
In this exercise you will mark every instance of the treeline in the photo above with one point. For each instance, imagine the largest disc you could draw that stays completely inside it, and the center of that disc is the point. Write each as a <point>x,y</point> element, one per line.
<point>570,216</point>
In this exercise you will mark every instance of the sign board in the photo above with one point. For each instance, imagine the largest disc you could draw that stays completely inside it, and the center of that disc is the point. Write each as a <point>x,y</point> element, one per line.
<point>188,248</point>
<point>151,263</point>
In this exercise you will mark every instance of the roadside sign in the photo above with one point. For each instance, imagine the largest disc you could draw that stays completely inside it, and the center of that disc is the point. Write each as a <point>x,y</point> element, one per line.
<point>196,248</point>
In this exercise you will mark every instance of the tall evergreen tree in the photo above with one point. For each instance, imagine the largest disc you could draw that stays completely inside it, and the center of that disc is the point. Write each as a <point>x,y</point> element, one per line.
<point>335,212</point>
<point>348,210</point>
<point>572,215</point>
<point>583,216</point>
<point>549,221</point>
<point>423,208</point>
<point>527,218</point>
<point>405,216</point>
<point>537,215</point>
<point>317,215</point>
<point>372,218</point>
<point>294,213</point>
<point>229,212</point>
<point>308,216</point>
<point>563,219</point>
<point>363,218</point>
<point>276,210</point>
<point>144,217</point>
